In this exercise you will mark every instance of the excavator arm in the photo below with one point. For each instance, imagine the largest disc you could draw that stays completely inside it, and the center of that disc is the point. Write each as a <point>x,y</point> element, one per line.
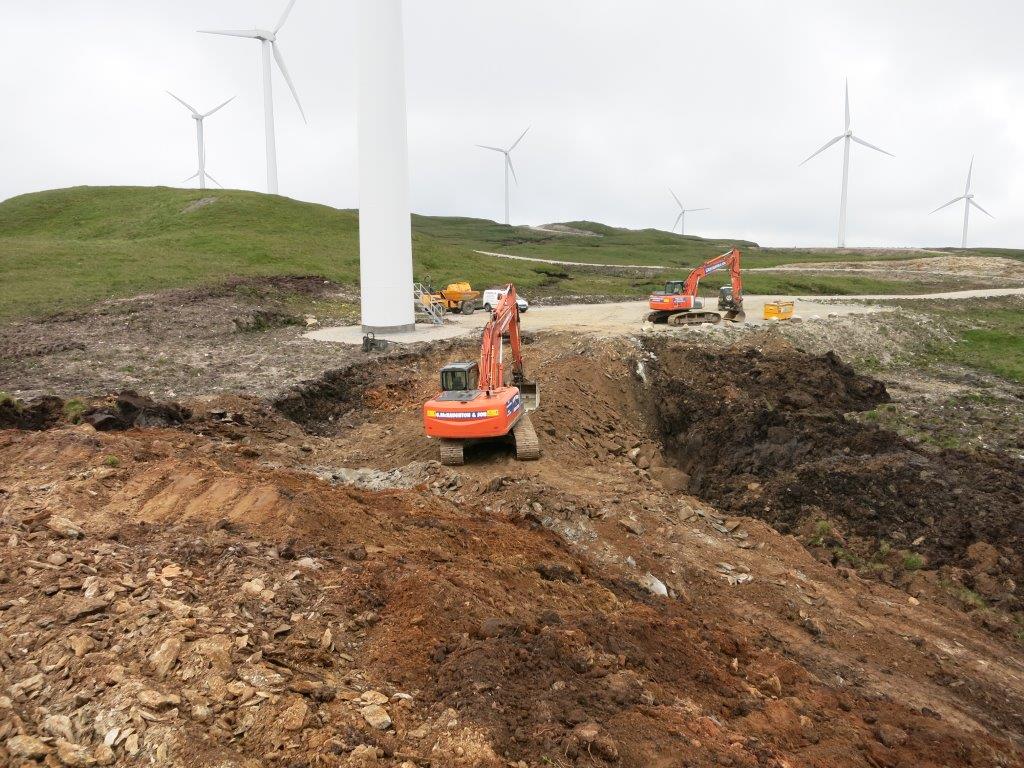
<point>504,320</point>
<point>730,260</point>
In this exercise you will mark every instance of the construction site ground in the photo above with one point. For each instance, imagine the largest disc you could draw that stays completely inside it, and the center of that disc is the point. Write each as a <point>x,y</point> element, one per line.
<point>725,555</point>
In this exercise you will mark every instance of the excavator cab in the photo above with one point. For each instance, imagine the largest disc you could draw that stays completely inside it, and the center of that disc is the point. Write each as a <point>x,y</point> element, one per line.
<point>674,287</point>
<point>459,381</point>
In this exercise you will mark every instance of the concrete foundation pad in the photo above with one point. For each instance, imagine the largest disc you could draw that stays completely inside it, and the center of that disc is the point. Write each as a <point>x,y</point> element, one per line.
<point>353,334</point>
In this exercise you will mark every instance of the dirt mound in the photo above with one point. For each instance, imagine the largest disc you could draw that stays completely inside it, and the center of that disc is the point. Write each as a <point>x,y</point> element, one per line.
<point>159,612</point>
<point>763,433</point>
<point>130,409</point>
<point>124,411</point>
<point>37,413</point>
<point>323,406</point>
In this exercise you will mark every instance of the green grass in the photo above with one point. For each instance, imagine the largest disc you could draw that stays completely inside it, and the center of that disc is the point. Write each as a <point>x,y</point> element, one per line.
<point>912,561</point>
<point>989,336</point>
<point>73,410</point>
<point>66,249</point>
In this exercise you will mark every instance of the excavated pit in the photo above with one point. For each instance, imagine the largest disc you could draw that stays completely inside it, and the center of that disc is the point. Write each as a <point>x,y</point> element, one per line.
<point>765,433</point>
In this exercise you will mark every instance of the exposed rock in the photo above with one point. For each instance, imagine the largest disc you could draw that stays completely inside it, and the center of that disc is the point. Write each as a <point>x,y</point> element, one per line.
<point>104,755</point>
<point>155,700</point>
<point>633,526</point>
<point>81,607</point>
<point>891,736</point>
<point>162,660</point>
<point>361,756</point>
<point>73,755</point>
<point>376,716</point>
<point>294,716</point>
<point>373,697</point>
<point>63,527</point>
<point>28,747</point>
<point>59,726</point>
<point>671,479</point>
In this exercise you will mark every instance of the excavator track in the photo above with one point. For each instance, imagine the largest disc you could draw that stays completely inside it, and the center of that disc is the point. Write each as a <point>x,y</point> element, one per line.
<point>527,442</point>
<point>694,318</point>
<point>452,453</point>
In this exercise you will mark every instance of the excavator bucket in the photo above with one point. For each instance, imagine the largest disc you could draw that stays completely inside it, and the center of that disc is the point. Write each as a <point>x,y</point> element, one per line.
<point>736,316</point>
<point>530,392</point>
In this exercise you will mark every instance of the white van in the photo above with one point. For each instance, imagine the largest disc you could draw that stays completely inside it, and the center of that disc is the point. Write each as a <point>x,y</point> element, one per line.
<point>493,296</point>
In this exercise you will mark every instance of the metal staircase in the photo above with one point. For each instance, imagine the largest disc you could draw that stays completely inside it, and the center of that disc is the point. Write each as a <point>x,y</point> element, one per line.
<point>433,311</point>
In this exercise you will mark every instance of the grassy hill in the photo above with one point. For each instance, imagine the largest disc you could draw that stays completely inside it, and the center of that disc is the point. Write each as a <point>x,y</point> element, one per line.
<point>68,248</point>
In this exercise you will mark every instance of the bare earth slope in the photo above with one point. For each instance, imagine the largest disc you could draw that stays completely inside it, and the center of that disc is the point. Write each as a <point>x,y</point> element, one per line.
<point>299,584</point>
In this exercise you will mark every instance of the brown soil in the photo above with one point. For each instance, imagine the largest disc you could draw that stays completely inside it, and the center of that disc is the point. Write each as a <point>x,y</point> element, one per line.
<point>232,592</point>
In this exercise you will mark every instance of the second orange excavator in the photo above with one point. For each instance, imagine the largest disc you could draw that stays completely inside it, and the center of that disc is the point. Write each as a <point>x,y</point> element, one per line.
<point>679,303</point>
<point>477,402</point>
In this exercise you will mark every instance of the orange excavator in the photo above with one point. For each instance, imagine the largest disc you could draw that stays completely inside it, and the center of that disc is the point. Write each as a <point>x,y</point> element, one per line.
<point>679,303</point>
<point>477,403</point>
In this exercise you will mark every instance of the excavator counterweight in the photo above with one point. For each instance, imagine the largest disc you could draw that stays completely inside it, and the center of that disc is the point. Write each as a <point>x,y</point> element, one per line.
<point>478,402</point>
<point>679,303</point>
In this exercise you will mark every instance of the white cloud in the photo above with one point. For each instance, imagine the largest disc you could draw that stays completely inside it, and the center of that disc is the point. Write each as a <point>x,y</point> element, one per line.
<point>719,100</point>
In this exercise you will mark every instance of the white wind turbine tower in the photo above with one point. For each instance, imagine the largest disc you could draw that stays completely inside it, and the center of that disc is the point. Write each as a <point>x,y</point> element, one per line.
<point>201,139</point>
<point>268,42</point>
<point>508,167</point>
<point>681,218</point>
<point>968,198</point>
<point>848,136</point>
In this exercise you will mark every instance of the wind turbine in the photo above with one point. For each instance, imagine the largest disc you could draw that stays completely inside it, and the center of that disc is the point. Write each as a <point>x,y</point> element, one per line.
<point>200,139</point>
<point>268,42</point>
<point>508,167</point>
<point>968,198</point>
<point>848,136</point>
<point>681,218</point>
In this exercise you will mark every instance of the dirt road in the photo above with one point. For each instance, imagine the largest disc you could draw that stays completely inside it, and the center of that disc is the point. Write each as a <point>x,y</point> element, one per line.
<point>627,316</point>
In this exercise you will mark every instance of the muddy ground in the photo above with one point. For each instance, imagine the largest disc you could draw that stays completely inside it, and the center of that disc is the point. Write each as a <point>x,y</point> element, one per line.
<point>289,579</point>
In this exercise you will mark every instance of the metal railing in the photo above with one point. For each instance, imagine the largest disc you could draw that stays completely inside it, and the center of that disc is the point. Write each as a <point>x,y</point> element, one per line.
<point>430,308</point>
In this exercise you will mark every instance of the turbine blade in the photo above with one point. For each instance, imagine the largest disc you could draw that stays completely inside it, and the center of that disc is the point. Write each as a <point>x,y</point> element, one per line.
<point>193,176</point>
<point>827,145</point>
<point>982,209</point>
<point>230,32</point>
<point>691,210</point>
<point>213,180</point>
<point>284,16</point>
<point>495,149</point>
<point>508,159</point>
<point>287,78</point>
<point>946,205</point>
<point>185,104</point>
<point>674,197</point>
<point>217,109</point>
<point>676,224</point>
<point>970,170</point>
<point>872,146</point>
<point>519,139</point>
<point>847,103</point>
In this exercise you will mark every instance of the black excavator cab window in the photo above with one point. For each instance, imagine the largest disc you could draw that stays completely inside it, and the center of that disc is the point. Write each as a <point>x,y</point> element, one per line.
<point>460,377</point>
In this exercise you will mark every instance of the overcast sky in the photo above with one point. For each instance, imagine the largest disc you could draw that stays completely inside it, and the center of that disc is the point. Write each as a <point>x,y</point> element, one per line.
<point>720,100</point>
